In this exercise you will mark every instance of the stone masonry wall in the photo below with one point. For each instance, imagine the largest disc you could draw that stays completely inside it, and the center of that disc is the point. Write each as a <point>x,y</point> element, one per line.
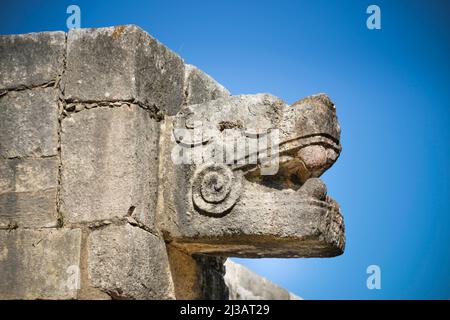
<point>79,134</point>
<point>80,120</point>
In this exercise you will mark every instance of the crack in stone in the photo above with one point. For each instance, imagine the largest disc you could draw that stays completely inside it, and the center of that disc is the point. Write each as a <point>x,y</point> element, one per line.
<point>75,107</point>
<point>51,83</point>
<point>46,156</point>
<point>61,105</point>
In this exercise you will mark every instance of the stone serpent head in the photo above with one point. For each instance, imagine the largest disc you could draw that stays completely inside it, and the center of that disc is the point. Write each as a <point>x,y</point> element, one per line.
<point>242,178</point>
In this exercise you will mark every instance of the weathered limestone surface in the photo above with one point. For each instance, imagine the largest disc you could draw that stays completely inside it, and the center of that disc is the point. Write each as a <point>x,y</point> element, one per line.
<point>123,63</point>
<point>244,284</point>
<point>129,263</point>
<point>28,192</point>
<point>39,264</point>
<point>200,87</point>
<point>109,164</point>
<point>30,59</point>
<point>29,123</point>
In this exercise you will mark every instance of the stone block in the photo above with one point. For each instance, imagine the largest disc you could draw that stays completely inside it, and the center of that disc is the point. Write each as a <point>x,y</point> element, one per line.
<point>29,123</point>
<point>31,59</point>
<point>28,192</point>
<point>39,264</point>
<point>109,164</point>
<point>199,87</point>
<point>132,65</point>
<point>129,263</point>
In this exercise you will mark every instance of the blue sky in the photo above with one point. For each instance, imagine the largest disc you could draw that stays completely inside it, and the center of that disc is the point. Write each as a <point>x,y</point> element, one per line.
<point>391,89</point>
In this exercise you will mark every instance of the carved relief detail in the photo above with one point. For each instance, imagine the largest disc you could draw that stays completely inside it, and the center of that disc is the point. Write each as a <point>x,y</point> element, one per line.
<point>215,189</point>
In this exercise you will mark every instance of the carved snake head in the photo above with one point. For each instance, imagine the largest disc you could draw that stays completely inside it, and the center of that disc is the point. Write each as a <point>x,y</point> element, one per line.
<point>243,178</point>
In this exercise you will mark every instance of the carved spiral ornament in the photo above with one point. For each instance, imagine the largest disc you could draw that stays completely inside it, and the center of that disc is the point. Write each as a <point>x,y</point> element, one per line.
<point>215,189</point>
